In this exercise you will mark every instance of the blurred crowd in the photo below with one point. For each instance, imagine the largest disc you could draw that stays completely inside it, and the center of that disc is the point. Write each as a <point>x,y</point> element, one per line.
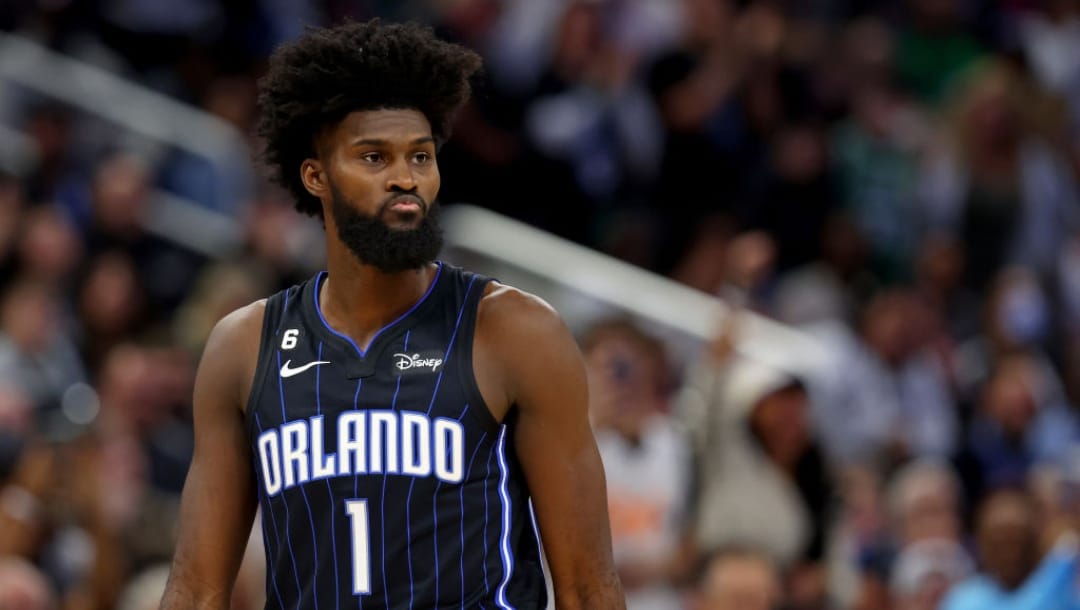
<point>898,179</point>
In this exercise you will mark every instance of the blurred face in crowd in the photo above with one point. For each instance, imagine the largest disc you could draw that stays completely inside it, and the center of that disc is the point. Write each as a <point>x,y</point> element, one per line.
<point>578,38</point>
<point>1007,537</point>
<point>377,178</point>
<point>111,297</point>
<point>780,423</point>
<point>29,316</point>
<point>941,264</point>
<point>1009,397</point>
<point>887,327</point>
<point>48,246</point>
<point>930,512</point>
<point>624,383</point>
<point>129,386</point>
<point>740,582</point>
<point>121,188</point>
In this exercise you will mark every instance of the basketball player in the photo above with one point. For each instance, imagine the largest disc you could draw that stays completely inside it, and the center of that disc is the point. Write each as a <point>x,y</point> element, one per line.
<point>403,424</point>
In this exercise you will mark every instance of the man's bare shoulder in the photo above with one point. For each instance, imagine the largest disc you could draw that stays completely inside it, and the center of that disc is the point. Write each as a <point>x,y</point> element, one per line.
<point>510,308</point>
<point>520,342</point>
<point>520,328</point>
<point>238,328</point>
<point>231,355</point>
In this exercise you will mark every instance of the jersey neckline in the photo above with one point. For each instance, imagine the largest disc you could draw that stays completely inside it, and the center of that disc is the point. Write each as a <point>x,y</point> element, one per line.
<point>380,335</point>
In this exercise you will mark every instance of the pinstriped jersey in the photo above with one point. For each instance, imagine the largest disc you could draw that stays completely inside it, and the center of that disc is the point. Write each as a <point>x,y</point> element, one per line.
<point>384,481</point>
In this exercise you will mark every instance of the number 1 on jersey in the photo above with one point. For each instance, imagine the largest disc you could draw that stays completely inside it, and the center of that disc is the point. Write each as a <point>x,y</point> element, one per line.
<point>361,549</point>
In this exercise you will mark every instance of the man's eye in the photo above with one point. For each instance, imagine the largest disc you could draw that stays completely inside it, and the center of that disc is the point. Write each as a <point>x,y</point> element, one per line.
<point>422,157</point>
<point>371,157</point>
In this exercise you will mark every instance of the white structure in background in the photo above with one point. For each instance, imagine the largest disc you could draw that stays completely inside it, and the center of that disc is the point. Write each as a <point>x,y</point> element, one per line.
<point>585,285</point>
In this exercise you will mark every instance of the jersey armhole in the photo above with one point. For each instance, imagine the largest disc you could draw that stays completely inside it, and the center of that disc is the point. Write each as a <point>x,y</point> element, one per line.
<point>467,376</point>
<point>267,339</point>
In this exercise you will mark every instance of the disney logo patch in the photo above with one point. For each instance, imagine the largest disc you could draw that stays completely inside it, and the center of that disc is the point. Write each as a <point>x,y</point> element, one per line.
<point>428,362</point>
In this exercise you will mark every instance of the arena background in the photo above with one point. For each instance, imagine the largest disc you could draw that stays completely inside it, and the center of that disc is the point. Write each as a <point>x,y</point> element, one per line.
<point>823,257</point>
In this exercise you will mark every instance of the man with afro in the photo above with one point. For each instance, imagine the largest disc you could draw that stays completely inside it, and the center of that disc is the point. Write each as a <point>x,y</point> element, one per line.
<point>411,431</point>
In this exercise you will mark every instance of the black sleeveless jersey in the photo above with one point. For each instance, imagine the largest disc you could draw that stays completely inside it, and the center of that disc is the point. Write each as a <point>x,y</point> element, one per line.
<point>384,481</point>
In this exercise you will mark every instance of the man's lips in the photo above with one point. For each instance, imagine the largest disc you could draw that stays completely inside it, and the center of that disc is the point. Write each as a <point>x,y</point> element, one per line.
<point>406,204</point>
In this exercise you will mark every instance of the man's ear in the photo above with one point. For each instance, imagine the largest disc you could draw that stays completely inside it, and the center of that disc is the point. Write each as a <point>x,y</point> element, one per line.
<point>313,177</point>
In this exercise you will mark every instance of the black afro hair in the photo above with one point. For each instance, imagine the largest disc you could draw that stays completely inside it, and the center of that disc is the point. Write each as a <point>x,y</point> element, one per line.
<point>315,81</point>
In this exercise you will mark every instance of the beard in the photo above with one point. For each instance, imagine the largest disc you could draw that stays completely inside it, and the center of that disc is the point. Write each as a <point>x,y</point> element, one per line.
<point>373,242</point>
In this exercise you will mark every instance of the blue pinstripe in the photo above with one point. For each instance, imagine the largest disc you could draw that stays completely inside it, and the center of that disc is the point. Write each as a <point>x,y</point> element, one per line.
<point>434,393</point>
<point>266,538</point>
<point>435,515</point>
<point>303,494</point>
<point>382,500</point>
<point>461,502</point>
<point>487,479</point>
<point>329,488</point>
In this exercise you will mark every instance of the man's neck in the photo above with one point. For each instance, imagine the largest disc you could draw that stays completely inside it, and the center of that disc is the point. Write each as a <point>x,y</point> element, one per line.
<point>358,299</point>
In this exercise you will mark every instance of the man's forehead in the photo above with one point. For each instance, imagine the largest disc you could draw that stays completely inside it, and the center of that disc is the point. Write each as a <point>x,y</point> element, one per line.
<point>385,124</point>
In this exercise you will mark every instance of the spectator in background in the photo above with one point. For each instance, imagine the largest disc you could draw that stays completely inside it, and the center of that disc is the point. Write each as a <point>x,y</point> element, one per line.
<point>111,305</point>
<point>926,503</point>
<point>996,182</point>
<point>694,87</point>
<point>645,460</point>
<point>287,245</point>
<point>924,573</point>
<point>903,543</point>
<point>140,389</point>
<point>761,478</point>
<point>121,192</point>
<point>860,553</point>
<point>1012,576</point>
<point>590,127</point>
<point>1016,317</point>
<point>1020,422</point>
<point>35,351</point>
<point>938,274</point>
<point>220,289</point>
<point>890,399</point>
<point>736,579</point>
<point>875,149</point>
<point>49,247</point>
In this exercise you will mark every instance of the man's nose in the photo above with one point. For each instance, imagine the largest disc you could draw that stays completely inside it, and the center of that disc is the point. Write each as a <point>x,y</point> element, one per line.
<point>401,178</point>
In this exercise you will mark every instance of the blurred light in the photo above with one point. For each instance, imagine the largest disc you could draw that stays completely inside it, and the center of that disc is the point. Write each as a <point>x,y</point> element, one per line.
<point>80,403</point>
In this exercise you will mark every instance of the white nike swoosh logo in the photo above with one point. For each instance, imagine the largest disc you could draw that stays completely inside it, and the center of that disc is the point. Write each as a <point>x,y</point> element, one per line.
<point>288,372</point>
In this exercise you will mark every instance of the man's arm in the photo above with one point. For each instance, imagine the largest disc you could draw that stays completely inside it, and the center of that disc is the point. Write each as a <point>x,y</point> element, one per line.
<point>219,495</point>
<point>539,368</point>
